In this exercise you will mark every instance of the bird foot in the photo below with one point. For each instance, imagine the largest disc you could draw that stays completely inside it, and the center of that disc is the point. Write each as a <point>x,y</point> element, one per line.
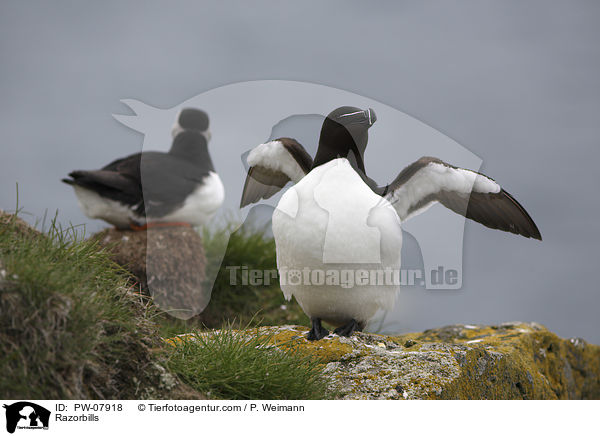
<point>317,331</point>
<point>348,329</point>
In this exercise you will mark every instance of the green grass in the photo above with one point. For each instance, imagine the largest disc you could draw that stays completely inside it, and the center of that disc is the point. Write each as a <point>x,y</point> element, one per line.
<point>228,365</point>
<point>245,304</point>
<point>69,328</point>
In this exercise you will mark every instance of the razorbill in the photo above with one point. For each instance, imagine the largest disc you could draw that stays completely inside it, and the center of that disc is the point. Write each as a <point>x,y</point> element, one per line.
<point>337,217</point>
<point>153,188</point>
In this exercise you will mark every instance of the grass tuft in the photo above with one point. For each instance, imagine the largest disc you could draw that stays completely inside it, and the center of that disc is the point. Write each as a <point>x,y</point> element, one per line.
<point>69,326</point>
<point>227,364</point>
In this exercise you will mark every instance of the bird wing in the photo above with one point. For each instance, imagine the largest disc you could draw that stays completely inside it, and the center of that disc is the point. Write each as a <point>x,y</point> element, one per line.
<point>272,165</point>
<point>151,182</point>
<point>119,179</point>
<point>466,192</point>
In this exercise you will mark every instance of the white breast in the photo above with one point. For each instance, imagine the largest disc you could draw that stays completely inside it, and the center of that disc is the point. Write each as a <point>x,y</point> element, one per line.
<point>201,205</point>
<point>332,221</point>
<point>198,208</point>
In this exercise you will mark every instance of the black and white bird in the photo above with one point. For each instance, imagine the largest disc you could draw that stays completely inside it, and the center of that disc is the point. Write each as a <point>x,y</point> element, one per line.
<point>154,188</point>
<point>333,196</point>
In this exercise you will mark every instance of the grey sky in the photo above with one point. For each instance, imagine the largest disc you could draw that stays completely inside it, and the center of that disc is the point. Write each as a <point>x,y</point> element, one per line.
<point>517,83</point>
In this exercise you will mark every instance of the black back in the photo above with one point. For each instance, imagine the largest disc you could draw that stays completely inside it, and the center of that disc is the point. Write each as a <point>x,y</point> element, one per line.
<point>153,183</point>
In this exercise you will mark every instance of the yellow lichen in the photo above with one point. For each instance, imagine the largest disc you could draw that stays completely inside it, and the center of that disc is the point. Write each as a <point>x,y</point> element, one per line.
<point>507,361</point>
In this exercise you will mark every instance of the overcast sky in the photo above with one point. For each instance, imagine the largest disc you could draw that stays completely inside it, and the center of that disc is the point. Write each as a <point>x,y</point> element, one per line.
<point>515,83</point>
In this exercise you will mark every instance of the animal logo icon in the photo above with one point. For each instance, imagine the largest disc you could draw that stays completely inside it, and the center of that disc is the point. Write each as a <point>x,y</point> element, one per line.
<point>26,415</point>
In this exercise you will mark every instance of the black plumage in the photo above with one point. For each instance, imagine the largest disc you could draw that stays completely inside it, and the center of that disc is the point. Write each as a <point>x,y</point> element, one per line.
<point>154,184</point>
<point>346,137</point>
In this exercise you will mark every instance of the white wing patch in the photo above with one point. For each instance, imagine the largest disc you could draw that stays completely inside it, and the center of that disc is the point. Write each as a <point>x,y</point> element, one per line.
<point>433,178</point>
<point>274,156</point>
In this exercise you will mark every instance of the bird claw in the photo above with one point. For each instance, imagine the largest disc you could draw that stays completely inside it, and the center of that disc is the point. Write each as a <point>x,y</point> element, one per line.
<point>348,329</point>
<point>317,331</point>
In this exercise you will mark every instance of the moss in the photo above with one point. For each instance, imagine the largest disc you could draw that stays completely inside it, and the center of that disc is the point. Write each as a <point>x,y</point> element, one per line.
<point>327,350</point>
<point>507,361</point>
<point>519,361</point>
<point>290,338</point>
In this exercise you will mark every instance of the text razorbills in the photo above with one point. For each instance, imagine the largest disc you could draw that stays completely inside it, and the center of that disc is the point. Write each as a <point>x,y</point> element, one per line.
<point>80,418</point>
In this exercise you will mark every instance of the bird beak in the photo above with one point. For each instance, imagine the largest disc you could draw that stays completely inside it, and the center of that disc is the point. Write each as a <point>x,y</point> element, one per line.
<point>370,114</point>
<point>360,117</point>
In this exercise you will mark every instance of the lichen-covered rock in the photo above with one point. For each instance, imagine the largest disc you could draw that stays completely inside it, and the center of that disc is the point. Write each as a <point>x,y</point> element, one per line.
<point>168,262</point>
<point>506,361</point>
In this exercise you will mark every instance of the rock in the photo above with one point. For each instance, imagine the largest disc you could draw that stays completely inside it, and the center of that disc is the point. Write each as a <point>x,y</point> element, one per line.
<point>507,361</point>
<point>8,220</point>
<point>168,262</point>
<point>165,385</point>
